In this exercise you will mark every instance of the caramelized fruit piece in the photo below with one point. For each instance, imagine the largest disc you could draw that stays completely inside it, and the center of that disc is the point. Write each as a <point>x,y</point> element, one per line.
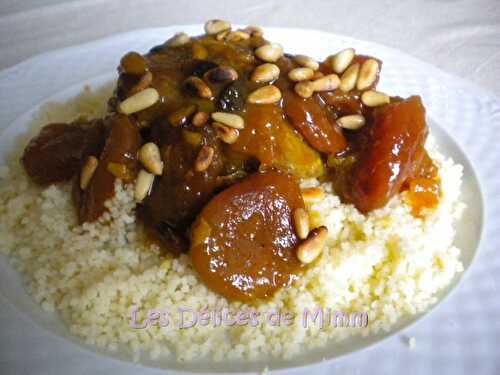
<point>55,154</point>
<point>243,242</point>
<point>120,149</point>
<point>395,147</point>
<point>423,193</point>
<point>270,139</point>
<point>312,119</point>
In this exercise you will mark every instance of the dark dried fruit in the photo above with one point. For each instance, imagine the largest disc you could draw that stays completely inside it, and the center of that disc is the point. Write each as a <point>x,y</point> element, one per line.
<point>233,97</point>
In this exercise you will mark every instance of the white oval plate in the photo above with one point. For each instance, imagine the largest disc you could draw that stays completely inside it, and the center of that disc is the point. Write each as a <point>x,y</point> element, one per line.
<point>462,118</point>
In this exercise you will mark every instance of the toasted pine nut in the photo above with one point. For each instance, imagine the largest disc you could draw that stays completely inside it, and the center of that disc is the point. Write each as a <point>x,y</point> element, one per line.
<point>230,119</point>
<point>199,86</point>
<point>226,134</point>
<point>133,63</point>
<point>306,61</point>
<point>351,122</point>
<point>200,119</point>
<point>367,74</point>
<point>139,101</point>
<point>199,51</point>
<point>149,156</point>
<point>204,159</point>
<point>342,60</point>
<point>213,27</point>
<point>236,36</point>
<point>349,78</point>
<point>269,52</point>
<point>326,83</point>
<point>87,172</point>
<point>301,223</point>
<point>372,98</point>
<point>221,74</point>
<point>265,95</point>
<point>304,89</point>
<point>317,75</point>
<point>312,247</point>
<point>181,116</point>
<point>143,185</point>
<point>222,34</point>
<point>312,195</point>
<point>265,73</point>
<point>144,82</point>
<point>254,30</point>
<point>300,74</point>
<point>178,40</point>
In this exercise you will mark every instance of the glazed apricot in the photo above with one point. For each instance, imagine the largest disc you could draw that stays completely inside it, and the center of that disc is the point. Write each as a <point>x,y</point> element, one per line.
<point>270,139</point>
<point>243,242</point>
<point>395,144</point>
<point>312,119</point>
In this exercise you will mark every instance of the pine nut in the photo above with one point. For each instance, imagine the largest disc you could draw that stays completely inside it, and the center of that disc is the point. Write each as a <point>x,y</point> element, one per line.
<point>143,185</point>
<point>351,122</point>
<point>149,156</point>
<point>178,40</point>
<point>230,119</point>
<point>204,159</point>
<point>367,74</point>
<point>312,247</point>
<point>144,82</point>
<point>312,195</point>
<point>304,89</point>
<point>199,51</point>
<point>200,119</point>
<point>342,59</point>
<point>213,27</point>
<point>236,36</point>
<point>133,63</point>
<point>265,73</point>
<point>306,61</point>
<point>254,30</point>
<point>226,134</point>
<point>139,101</point>
<point>317,75</point>
<point>265,95</point>
<point>372,98</point>
<point>221,74</point>
<point>326,83</point>
<point>87,172</point>
<point>349,78</point>
<point>199,87</point>
<point>181,116</point>
<point>269,52</point>
<point>300,74</point>
<point>301,223</point>
<point>222,35</point>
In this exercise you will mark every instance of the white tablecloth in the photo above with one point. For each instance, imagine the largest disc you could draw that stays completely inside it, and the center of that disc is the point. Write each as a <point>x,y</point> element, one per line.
<point>459,36</point>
